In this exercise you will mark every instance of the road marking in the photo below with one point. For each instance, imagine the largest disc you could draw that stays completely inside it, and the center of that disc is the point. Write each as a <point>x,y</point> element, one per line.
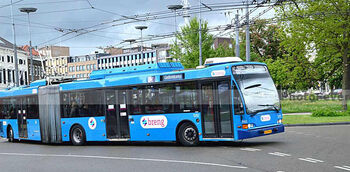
<point>311,160</point>
<point>250,149</point>
<point>279,154</point>
<point>124,158</point>
<point>344,167</point>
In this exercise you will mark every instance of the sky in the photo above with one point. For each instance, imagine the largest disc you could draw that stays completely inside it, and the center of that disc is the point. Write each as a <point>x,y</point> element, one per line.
<point>55,15</point>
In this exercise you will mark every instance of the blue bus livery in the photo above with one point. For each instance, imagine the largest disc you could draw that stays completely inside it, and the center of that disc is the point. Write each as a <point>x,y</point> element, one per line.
<point>151,102</point>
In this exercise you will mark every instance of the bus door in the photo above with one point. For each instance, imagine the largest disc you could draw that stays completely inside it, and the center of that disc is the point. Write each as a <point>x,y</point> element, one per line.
<point>117,125</point>
<point>22,118</point>
<point>216,110</point>
<point>122,114</point>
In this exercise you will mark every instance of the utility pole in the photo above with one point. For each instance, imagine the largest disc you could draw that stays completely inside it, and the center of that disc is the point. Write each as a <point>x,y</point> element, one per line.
<point>14,47</point>
<point>237,34</point>
<point>30,10</point>
<point>247,34</point>
<point>200,33</point>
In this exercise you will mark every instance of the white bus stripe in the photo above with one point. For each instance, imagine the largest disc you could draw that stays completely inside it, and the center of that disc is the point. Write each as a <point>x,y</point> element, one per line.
<point>123,158</point>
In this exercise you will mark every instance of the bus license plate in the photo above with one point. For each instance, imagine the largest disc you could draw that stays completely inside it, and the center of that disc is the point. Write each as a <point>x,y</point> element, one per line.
<point>267,131</point>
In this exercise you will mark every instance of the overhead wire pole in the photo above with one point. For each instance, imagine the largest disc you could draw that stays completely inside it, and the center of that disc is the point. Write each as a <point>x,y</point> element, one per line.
<point>247,34</point>
<point>14,47</point>
<point>174,8</point>
<point>237,34</point>
<point>30,10</point>
<point>200,33</point>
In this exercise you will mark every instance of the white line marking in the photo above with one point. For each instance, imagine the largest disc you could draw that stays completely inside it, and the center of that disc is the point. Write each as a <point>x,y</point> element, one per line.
<point>123,158</point>
<point>279,154</point>
<point>347,168</point>
<point>250,149</point>
<point>310,160</point>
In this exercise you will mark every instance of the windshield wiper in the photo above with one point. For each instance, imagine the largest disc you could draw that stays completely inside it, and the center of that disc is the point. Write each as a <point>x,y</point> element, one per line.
<point>274,107</point>
<point>252,86</point>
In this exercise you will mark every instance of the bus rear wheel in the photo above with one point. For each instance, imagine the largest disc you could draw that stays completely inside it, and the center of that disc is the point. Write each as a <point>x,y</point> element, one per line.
<point>10,135</point>
<point>77,135</point>
<point>188,135</point>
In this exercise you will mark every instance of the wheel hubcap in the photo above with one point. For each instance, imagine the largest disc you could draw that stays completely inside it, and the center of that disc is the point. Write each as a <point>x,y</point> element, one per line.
<point>77,135</point>
<point>190,134</point>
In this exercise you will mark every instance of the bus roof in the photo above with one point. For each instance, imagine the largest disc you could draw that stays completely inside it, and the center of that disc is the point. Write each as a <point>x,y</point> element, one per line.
<point>133,75</point>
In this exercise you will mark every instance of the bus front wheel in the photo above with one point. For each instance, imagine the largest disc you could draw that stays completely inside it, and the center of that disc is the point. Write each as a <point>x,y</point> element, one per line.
<point>188,134</point>
<point>10,135</point>
<point>77,135</point>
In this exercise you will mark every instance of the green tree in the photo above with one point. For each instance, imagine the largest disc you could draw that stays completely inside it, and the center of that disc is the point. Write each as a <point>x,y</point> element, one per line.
<point>322,26</point>
<point>188,39</point>
<point>289,67</point>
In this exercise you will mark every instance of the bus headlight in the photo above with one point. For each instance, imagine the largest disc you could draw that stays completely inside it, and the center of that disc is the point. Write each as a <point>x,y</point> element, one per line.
<point>279,121</point>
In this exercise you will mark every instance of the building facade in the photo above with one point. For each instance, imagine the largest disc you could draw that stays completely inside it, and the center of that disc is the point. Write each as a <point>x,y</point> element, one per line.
<point>57,66</point>
<point>54,51</point>
<point>220,41</point>
<point>7,65</point>
<point>82,66</point>
<point>38,64</point>
<point>132,59</point>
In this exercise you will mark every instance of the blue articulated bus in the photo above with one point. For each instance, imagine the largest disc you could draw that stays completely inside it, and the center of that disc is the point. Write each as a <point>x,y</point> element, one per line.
<point>225,101</point>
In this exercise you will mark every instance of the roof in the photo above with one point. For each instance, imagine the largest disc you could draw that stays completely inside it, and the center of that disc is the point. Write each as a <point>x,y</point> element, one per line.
<point>4,43</point>
<point>26,49</point>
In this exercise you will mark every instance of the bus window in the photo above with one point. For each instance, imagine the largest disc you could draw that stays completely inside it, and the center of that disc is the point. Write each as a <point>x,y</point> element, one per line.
<point>136,101</point>
<point>32,107</point>
<point>2,108</point>
<point>65,106</point>
<point>12,109</point>
<point>158,99</point>
<point>237,102</point>
<point>186,97</point>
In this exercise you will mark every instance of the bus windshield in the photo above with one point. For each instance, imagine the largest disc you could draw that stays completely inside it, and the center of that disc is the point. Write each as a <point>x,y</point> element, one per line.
<point>257,87</point>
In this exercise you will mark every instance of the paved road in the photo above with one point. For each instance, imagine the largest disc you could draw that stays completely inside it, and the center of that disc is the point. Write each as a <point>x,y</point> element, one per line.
<point>323,148</point>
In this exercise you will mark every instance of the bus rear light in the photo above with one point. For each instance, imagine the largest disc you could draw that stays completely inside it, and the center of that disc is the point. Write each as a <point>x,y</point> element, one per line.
<point>245,126</point>
<point>239,127</point>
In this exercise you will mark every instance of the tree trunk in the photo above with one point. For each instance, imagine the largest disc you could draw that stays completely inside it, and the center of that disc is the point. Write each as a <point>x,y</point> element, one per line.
<point>346,75</point>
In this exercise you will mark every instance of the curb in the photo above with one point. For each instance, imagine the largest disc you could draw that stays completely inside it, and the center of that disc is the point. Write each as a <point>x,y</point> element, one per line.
<point>319,124</point>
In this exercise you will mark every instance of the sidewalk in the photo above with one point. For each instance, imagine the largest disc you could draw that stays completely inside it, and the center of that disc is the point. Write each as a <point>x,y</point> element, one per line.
<point>302,113</point>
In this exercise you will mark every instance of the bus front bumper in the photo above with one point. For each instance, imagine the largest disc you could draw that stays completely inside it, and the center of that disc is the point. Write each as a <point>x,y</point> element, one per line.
<point>245,134</point>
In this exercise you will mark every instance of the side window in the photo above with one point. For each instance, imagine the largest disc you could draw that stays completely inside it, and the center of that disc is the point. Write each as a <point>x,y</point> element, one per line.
<point>65,106</point>
<point>94,103</point>
<point>186,97</point>
<point>5,111</point>
<point>32,107</point>
<point>136,101</point>
<point>158,99</point>
<point>237,102</point>
<point>2,108</point>
<point>12,108</point>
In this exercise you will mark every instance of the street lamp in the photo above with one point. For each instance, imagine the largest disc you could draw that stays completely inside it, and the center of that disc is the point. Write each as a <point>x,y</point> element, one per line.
<point>30,10</point>
<point>141,28</point>
<point>174,8</point>
<point>131,41</point>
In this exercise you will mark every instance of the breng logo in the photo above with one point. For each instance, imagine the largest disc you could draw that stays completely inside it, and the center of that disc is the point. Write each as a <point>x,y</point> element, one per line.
<point>158,121</point>
<point>92,123</point>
